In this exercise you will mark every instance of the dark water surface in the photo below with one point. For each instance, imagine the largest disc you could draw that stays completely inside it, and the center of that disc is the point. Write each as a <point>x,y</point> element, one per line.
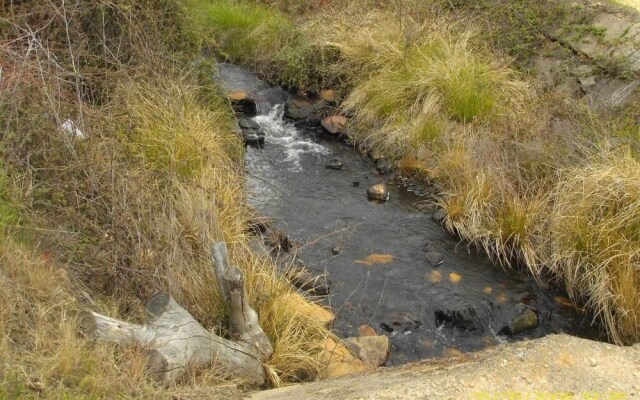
<point>321,208</point>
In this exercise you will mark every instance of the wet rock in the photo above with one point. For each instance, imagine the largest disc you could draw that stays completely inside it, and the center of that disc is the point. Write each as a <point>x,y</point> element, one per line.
<point>300,306</point>
<point>373,350</point>
<point>355,183</point>
<point>439,215</point>
<point>246,123</point>
<point>298,109</point>
<point>339,360</point>
<point>251,132</point>
<point>310,283</point>
<point>334,124</point>
<point>378,192</point>
<point>335,250</point>
<point>465,320</point>
<point>383,166</point>
<point>334,164</point>
<point>243,103</point>
<point>400,322</point>
<point>366,330</point>
<point>434,258</point>
<point>526,319</point>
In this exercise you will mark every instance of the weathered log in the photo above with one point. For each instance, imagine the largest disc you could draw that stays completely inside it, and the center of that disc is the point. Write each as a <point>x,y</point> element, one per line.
<point>175,340</point>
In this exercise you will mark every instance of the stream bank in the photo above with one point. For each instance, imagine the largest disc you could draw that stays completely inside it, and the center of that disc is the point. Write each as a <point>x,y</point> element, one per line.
<point>389,266</point>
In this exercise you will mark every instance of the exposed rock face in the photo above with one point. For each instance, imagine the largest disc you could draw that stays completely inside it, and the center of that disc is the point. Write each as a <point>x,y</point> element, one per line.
<point>378,192</point>
<point>243,103</point>
<point>373,350</point>
<point>465,320</point>
<point>335,124</point>
<point>525,320</point>
<point>556,365</point>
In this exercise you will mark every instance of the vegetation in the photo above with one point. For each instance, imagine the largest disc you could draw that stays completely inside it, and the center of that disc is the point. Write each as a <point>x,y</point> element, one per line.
<point>120,166</point>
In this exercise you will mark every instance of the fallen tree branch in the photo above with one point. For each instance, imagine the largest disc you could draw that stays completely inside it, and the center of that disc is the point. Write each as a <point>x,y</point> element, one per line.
<point>175,340</point>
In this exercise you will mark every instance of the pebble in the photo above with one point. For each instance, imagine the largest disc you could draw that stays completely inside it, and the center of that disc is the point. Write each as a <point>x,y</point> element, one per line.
<point>336,250</point>
<point>334,164</point>
<point>593,362</point>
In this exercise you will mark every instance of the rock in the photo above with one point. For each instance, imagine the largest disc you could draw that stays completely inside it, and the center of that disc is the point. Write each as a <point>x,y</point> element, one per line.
<point>400,322</point>
<point>355,183</point>
<point>373,350</point>
<point>243,103</point>
<point>465,320</point>
<point>253,137</point>
<point>304,112</point>
<point>334,164</point>
<point>383,166</point>
<point>439,215</point>
<point>310,283</point>
<point>587,82</point>
<point>335,250</point>
<point>328,96</point>
<point>614,27</point>
<point>375,154</point>
<point>339,360</point>
<point>378,192</point>
<point>366,330</point>
<point>246,123</point>
<point>334,124</point>
<point>525,320</point>
<point>300,306</point>
<point>434,258</point>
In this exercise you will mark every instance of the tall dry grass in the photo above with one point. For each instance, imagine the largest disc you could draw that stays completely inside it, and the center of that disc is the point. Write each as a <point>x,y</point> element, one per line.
<point>107,219</point>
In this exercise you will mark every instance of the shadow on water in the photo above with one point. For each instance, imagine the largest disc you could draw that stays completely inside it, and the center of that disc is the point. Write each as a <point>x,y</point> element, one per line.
<point>381,275</point>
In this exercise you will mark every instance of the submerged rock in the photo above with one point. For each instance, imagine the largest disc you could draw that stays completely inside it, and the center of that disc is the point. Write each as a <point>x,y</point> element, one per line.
<point>378,192</point>
<point>334,124</point>
<point>465,320</point>
<point>243,103</point>
<point>373,350</point>
<point>400,322</point>
<point>434,258</point>
<point>334,164</point>
<point>335,250</point>
<point>526,319</point>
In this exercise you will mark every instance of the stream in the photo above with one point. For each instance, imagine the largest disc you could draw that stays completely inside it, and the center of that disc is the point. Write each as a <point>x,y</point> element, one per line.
<point>375,254</point>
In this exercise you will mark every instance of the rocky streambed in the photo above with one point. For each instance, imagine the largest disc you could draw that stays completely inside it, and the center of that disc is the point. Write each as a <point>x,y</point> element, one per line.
<point>385,265</point>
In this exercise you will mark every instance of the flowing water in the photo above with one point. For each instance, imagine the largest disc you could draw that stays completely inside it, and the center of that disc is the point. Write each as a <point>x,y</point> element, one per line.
<point>381,277</point>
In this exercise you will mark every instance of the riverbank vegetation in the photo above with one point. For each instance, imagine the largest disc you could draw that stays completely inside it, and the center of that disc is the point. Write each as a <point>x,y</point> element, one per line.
<point>536,178</point>
<point>119,165</point>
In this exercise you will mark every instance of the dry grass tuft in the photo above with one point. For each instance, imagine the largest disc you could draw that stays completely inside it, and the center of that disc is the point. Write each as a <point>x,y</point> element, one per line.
<point>595,239</point>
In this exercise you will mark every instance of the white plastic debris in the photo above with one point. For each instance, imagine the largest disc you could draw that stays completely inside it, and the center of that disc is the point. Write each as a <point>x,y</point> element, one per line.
<point>70,127</point>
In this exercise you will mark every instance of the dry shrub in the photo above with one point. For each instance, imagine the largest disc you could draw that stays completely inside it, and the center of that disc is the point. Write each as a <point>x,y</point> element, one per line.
<point>595,239</point>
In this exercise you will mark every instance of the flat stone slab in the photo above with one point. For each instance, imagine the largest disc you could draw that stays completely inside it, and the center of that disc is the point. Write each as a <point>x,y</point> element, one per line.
<point>556,365</point>
<point>615,27</point>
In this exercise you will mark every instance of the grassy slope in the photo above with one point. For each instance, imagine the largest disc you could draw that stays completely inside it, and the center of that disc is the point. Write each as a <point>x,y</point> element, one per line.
<point>105,221</point>
<point>429,84</point>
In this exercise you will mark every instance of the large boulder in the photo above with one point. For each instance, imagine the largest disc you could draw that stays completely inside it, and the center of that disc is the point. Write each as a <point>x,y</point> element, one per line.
<point>373,350</point>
